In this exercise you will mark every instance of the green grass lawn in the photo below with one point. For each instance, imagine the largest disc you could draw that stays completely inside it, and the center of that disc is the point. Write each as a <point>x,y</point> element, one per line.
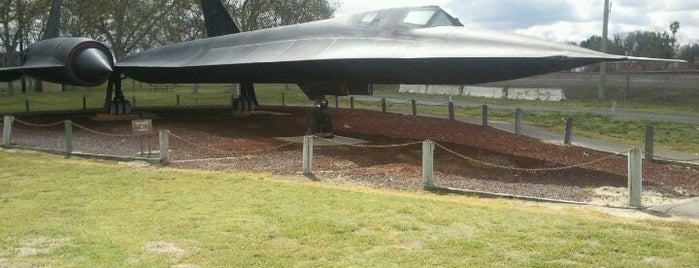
<point>76,213</point>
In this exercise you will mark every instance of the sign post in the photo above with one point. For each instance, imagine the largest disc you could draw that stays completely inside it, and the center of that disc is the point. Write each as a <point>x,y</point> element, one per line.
<point>140,128</point>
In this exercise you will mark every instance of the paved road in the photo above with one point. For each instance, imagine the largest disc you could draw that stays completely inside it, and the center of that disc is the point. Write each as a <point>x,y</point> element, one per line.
<point>687,208</point>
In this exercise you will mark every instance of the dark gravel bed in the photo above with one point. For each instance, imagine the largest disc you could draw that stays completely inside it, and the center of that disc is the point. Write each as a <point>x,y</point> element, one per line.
<point>248,143</point>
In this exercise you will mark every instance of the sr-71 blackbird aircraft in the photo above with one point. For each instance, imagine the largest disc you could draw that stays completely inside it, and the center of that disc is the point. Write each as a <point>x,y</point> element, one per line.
<point>341,56</point>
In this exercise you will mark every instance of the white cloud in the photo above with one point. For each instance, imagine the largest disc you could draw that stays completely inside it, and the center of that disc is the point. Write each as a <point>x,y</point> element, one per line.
<point>559,20</point>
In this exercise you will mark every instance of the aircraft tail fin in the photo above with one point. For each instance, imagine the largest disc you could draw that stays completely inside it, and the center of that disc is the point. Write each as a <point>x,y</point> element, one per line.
<point>54,22</point>
<point>218,20</point>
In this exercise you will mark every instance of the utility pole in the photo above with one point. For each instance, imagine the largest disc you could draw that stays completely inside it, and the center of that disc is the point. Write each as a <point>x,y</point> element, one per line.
<point>603,66</point>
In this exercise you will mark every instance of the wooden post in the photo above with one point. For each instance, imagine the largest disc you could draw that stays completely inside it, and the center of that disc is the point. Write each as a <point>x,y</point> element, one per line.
<point>284,99</point>
<point>413,103</point>
<point>164,147</point>
<point>308,155</point>
<point>518,121</point>
<point>428,164</point>
<point>69,137</point>
<point>635,171</point>
<point>351,102</point>
<point>451,110</point>
<point>337,101</point>
<point>568,139</point>
<point>178,100</point>
<point>383,105</point>
<point>84,103</point>
<point>7,131</point>
<point>133,101</point>
<point>650,148</point>
<point>485,115</point>
<point>26,105</point>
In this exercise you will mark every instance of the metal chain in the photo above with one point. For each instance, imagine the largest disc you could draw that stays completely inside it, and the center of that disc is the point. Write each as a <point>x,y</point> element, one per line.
<point>104,133</point>
<point>527,169</point>
<point>469,108</point>
<point>369,146</point>
<point>257,151</point>
<point>39,125</point>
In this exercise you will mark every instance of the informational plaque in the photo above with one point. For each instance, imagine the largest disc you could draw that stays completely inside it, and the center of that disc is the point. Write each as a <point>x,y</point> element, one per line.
<point>142,126</point>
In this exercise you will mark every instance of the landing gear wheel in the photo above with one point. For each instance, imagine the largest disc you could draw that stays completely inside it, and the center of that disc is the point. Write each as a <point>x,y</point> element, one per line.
<point>244,105</point>
<point>119,107</point>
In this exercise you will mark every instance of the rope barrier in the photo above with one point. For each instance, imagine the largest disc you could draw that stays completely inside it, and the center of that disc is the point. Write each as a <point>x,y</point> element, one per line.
<point>257,151</point>
<point>364,103</point>
<point>469,108</point>
<point>625,132</point>
<point>430,104</point>
<point>11,102</point>
<point>154,99</point>
<point>677,139</point>
<point>369,146</point>
<point>526,169</point>
<point>41,102</point>
<point>104,133</point>
<point>397,102</point>
<point>39,125</point>
<point>494,114</point>
<point>562,122</point>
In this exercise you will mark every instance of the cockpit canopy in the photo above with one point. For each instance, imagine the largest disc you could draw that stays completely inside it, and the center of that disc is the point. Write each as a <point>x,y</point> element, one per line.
<point>416,17</point>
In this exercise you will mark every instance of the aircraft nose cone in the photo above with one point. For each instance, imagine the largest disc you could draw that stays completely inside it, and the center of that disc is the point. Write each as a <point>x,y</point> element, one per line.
<point>92,65</point>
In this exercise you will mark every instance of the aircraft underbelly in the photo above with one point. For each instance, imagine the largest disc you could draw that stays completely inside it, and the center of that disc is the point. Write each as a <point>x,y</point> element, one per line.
<point>416,71</point>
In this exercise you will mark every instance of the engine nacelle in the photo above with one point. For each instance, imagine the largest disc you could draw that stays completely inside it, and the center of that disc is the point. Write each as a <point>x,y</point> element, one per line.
<point>69,60</point>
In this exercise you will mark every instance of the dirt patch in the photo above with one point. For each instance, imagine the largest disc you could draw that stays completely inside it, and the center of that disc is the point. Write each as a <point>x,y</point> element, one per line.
<point>166,248</point>
<point>619,197</point>
<point>32,246</point>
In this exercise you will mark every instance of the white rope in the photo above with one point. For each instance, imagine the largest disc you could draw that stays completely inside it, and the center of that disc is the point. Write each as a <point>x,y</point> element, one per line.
<point>526,169</point>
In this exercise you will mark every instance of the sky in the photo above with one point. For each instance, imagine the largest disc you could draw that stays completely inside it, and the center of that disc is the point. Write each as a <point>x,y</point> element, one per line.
<point>557,20</point>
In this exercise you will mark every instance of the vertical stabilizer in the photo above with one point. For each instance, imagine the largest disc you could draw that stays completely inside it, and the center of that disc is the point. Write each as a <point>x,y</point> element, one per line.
<point>53,26</point>
<point>218,20</point>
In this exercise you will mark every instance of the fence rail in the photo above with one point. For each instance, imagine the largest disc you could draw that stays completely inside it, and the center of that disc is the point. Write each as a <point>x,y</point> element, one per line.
<point>428,150</point>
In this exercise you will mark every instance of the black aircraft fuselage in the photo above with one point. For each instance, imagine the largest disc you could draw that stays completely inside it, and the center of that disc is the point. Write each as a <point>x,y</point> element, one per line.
<point>421,45</point>
<point>415,45</point>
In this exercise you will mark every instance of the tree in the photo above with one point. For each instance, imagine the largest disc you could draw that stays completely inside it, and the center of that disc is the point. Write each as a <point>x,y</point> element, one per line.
<point>256,14</point>
<point>20,25</point>
<point>690,53</point>
<point>128,26</point>
<point>125,25</point>
<point>613,47</point>
<point>674,27</point>
<point>650,44</point>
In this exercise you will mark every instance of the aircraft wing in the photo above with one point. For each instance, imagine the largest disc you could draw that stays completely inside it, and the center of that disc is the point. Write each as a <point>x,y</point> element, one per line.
<point>9,74</point>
